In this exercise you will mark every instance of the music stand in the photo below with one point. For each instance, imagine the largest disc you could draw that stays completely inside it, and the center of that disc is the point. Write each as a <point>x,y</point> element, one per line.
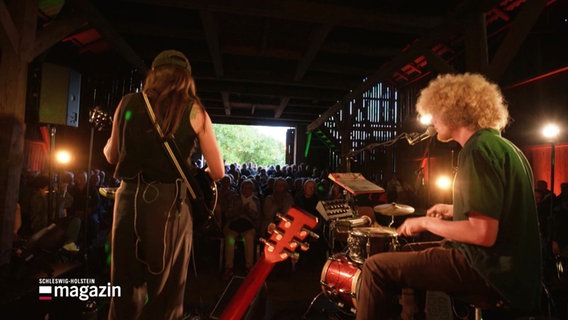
<point>355,183</point>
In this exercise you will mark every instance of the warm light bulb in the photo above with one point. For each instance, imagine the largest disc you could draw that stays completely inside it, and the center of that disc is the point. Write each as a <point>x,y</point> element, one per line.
<point>550,131</point>
<point>444,183</point>
<point>63,157</point>
<point>425,119</point>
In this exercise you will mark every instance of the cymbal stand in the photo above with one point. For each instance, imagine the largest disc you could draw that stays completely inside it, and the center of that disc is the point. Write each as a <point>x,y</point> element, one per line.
<point>394,244</point>
<point>392,221</point>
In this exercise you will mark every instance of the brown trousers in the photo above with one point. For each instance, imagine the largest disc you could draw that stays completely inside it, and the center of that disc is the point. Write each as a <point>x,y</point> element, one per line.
<point>385,275</point>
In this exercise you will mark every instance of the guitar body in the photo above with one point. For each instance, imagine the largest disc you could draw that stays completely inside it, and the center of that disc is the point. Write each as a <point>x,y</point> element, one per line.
<point>205,201</point>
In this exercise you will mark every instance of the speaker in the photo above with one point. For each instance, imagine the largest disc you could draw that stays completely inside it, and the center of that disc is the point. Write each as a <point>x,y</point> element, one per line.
<point>229,292</point>
<point>55,98</point>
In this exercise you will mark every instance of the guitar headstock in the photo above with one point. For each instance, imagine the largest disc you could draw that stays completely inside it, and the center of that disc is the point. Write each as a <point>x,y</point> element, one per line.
<point>289,234</point>
<point>99,119</point>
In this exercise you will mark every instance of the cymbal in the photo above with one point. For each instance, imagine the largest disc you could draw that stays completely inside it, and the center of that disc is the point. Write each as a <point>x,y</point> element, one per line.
<point>394,209</point>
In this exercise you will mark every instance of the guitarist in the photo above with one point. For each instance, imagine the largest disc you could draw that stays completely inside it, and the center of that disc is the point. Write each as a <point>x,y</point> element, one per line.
<point>152,230</point>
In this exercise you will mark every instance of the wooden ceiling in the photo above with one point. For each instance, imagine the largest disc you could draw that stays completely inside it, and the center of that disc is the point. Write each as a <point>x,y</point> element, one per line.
<point>281,62</point>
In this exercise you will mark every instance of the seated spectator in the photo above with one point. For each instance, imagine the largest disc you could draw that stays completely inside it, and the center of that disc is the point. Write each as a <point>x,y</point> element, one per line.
<point>307,199</point>
<point>243,219</point>
<point>71,224</point>
<point>39,215</point>
<point>40,221</point>
<point>245,170</point>
<point>270,171</point>
<point>559,236</point>
<point>336,192</point>
<point>225,196</point>
<point>268,188</point>
<point>278,202</point>
<point>323,188</point>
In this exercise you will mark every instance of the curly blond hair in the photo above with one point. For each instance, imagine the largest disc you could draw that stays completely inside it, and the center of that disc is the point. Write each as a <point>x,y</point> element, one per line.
<point>467,99</point>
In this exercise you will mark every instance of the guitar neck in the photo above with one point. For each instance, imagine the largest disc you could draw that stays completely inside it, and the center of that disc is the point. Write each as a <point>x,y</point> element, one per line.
<point>248,289</point>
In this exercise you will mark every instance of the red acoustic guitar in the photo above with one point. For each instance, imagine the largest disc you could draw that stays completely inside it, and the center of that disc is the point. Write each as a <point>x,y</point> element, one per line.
<point>286,238</point>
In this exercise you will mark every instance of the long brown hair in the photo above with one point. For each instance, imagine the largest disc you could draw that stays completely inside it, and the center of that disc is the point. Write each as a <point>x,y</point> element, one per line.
<point>170,89</point>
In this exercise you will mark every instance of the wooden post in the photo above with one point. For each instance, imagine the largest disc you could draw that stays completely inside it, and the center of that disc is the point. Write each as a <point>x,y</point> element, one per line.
<point>18,38</point>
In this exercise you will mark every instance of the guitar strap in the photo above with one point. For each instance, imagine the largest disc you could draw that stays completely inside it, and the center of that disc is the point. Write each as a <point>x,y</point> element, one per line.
<point>169,147</point>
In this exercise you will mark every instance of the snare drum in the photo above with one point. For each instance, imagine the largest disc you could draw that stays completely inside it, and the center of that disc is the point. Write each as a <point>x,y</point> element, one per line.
<point>364,242</point>
<point>340,280</point>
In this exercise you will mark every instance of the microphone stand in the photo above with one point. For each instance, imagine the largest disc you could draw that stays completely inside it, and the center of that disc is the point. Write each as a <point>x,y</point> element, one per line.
<point>350,155</point>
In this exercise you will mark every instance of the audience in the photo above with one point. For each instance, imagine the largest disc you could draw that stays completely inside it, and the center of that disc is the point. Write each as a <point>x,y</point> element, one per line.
<point>243,219</point>
<point>279,201</point>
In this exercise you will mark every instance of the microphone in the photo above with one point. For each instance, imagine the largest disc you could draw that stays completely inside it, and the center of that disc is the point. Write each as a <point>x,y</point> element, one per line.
<point>415,138</point>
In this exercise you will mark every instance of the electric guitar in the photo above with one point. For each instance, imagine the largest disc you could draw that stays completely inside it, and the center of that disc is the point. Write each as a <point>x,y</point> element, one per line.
<point>99,119</point>
<point>293,227</point>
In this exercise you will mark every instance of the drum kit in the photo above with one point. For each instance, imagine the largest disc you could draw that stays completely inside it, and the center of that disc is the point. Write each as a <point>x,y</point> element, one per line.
<point>340,277</point>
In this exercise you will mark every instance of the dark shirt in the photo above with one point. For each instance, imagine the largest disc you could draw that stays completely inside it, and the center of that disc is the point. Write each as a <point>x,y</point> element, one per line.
<point>140,148</point>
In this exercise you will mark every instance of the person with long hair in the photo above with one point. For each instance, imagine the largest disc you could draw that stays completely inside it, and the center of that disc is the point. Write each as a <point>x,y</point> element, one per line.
<point>491,253</point>
<point>152,228</point>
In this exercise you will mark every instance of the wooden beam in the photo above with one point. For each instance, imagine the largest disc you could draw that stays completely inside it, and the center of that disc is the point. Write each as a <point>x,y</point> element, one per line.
<point>265,32</point>
<point>280,109</point>
<point>321,13</point>
<point>524,22</point>
<point>252,51</point>
<point>360,49</point>
<point>28,26</point>
<point>210,26</point>
<point>226,102</point>
<point>317,37</point>
<point>341,69</point>
<point>55,32</point>
<point>97,20</point>
<point>438,64</point>
<point>266,77</point>
<point>265,90</point>
<point>10,32</point>
<point>476,55</point>
<point>154,29</point>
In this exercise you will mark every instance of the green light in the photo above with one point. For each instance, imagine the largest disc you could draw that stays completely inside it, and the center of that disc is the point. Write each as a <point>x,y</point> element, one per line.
<point>127,115</point>
<point>308,142</point>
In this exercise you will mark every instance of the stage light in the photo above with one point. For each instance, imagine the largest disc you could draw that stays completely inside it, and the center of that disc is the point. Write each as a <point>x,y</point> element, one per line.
<point>63,157</point>
<point>425,119</point>
<point>444,183</point>
<point>550,131</point>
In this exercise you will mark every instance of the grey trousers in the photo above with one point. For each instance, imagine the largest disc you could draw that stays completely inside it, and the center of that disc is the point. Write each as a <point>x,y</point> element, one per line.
<point>151,243</point>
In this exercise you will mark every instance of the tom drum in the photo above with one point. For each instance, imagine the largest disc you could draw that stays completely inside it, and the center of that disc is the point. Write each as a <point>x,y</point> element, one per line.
<point>364,242</point>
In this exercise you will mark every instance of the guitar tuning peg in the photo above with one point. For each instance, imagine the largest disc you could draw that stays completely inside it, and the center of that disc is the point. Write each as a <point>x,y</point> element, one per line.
<point>304,246</point>
<point>310,233</point>
<point>271,227</point>
<point>282,217</point>
<point>291,254</point>
<point>266,242</point>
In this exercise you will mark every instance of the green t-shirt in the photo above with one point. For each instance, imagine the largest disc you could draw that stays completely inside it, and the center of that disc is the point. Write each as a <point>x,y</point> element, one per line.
<point>494,178</point>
